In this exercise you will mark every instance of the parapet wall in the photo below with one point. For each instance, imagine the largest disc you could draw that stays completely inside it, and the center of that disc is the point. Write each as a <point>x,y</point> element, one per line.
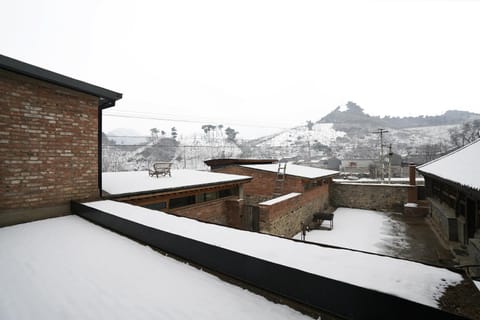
<point>381,197</point>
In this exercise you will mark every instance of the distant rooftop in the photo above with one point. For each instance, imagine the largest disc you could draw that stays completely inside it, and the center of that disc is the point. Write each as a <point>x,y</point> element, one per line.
<point>295,170</point>
<point>219,163</point>
<point>459,166</point>
<point>106,98</point>
<point>133,182</point>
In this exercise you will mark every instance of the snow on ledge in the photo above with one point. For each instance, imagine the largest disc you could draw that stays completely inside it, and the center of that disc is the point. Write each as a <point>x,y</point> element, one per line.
<point>410,205</point>
<point>279,199</point>
<point>409,280</point>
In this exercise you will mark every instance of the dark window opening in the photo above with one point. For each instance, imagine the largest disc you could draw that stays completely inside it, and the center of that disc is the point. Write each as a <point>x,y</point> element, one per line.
<point>156,206</point>
<point>181,202</point>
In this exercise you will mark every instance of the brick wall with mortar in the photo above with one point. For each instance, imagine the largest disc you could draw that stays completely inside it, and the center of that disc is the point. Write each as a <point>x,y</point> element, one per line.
<point>263,183</point>
<point>284,218</point>
<point>215,211</point>
<point>382,197</point>
<point>48,148</point>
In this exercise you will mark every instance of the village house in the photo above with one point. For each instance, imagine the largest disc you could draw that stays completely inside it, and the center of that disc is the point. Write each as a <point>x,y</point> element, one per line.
<point>206,196</point>
<point>50,131</point>
<point>280,196</point>
<point>452,185</point>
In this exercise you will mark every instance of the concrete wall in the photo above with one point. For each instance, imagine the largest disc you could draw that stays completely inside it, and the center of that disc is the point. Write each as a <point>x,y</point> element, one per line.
<point>284,218</point>
<point>382,197</point>
<point>48,148</point>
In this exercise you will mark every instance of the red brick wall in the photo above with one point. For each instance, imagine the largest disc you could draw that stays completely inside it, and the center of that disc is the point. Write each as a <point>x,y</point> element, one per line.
<point>210,211</point>
<point>48,147</point>
<point>263,183</point>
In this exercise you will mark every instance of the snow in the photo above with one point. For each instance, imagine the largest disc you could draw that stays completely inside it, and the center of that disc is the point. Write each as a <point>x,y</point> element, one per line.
<point>359,229</point>
<point>294,170</point>
<point>139,181</point>
<point>411,205</point>
<point>460,166</point>
<point>280,199</point>
<point>410,280</point>
<point>68,268</point>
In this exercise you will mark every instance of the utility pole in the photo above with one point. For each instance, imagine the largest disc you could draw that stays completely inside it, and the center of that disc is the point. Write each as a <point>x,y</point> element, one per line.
<point>381,131</point>
<point>390,155</point>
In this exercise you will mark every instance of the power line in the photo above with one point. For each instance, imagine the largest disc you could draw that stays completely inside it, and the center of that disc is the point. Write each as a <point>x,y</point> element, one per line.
<point>160,117</point>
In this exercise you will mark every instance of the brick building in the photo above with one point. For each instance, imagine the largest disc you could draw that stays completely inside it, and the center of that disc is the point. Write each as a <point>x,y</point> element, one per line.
<point>452,185</point>
<point>206,196</point>
<point>50,130</point>
<point>305,191</point>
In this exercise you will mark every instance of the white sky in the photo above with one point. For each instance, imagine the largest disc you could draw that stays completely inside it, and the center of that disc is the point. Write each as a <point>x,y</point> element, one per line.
<point>267,63</point>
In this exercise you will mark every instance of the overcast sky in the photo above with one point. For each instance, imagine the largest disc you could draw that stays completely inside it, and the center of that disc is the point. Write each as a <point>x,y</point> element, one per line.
<point>262,63</point>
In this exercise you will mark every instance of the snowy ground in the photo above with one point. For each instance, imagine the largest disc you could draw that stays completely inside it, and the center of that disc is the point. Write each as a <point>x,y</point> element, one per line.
<point>364,230</point>
<point>68,268</point>
<point>410,280</point>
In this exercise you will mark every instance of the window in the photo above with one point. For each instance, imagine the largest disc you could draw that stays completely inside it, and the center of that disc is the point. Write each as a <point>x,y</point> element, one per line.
<point>157,206</point>
<point>181,202</point>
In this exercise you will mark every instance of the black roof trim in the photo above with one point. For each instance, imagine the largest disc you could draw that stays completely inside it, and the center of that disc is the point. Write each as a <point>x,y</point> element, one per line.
<point>106,98</point>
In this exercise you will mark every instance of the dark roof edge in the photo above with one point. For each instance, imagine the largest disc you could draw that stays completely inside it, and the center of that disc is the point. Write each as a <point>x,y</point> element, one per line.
<point>106,98</point>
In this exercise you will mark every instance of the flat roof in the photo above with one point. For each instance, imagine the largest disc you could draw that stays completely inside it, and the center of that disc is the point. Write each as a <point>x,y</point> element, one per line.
<point>69,268</point>
<point>295,170</point>
<point>139,182</point>
<point>106,98</point>
<point>406,279</point>
<point>219,163</point>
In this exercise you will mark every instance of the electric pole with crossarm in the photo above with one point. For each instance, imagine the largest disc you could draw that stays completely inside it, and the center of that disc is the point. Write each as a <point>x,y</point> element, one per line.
<point>381,131</point>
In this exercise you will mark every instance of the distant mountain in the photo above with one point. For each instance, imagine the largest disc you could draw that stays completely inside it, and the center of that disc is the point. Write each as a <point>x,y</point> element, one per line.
<point>352,115</point>
<point>126,136</point>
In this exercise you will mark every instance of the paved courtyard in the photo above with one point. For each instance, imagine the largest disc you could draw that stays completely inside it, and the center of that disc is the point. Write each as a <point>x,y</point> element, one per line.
<point>396,235</point>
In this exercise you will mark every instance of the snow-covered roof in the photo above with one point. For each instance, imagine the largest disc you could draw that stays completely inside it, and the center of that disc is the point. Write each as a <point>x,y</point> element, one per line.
<point>69,268</point>
<point>117,183</point>
<point>460,166</point>
<point>295,170</point>
<point>406,279</point>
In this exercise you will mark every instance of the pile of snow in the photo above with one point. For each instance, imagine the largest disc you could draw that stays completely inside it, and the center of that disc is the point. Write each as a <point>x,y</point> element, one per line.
<point>68,268</point>
<point>364,230</point>
<point>413,281</point>
<point>116,183</point>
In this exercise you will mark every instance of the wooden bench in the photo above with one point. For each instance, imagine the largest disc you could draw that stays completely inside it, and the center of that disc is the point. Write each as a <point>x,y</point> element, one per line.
<point>320,217</point>
<point>160,168</point>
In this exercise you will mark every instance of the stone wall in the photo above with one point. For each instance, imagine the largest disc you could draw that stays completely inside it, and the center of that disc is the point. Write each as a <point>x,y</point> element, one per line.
<point>284,218</point>
<point>48,148</point>
<point>381,197</point>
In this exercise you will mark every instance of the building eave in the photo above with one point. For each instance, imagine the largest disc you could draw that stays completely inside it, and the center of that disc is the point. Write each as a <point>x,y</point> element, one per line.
<point>106,98</point>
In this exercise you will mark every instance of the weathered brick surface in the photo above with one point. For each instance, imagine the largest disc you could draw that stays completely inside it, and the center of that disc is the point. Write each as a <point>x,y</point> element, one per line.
<point>211,211</point>
<point>48,144</point>
<point>263,183</point>
<point>383,197</point>
<point>284,218</point>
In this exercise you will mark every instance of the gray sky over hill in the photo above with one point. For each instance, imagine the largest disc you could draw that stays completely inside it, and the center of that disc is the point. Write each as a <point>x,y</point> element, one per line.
<point>261,63</point>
